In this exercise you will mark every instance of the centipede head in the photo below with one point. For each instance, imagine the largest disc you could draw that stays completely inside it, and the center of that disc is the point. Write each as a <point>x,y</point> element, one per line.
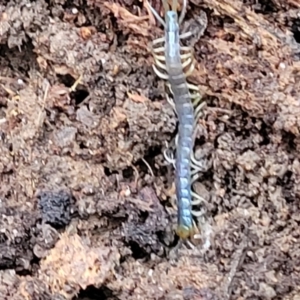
<point>169,7</point>
<point>174,7</point>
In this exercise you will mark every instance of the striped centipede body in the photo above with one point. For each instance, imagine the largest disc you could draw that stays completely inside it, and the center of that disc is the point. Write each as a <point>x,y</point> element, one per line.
<point>174,63</point>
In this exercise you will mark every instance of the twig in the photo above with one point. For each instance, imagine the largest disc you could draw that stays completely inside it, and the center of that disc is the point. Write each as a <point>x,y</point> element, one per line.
<point>236,264</point>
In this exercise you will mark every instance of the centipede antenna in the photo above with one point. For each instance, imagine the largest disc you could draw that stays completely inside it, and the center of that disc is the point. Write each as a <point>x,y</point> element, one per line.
<point>174,5</point>
<point>183,12</point>
<point>166,5</point>
<point>157,16</point>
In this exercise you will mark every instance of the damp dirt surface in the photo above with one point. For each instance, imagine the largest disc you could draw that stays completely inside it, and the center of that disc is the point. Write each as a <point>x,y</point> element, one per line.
<point>86,195</point>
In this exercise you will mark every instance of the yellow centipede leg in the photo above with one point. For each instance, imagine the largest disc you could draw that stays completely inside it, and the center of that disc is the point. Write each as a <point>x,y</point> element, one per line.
<point>187,63</point>
<point>198,199</point>
<point>158,41</point>
<point>186,56</point>
<point>187,49</point>
<point>160,65</point>
<point>168,85</point>
<point>190,70</point>
<point>185,35</point>
<point>183,12</point>
<point>198,110</point>
<point>170,101</point>
<point>158,50</point>
<point>196,99</point>
<point>192,87</point>
<point>159,57</point>
<point>160,74</point>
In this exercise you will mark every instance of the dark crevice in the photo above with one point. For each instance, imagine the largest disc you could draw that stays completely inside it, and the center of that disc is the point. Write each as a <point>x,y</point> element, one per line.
<point>128,173</point>
<point>265,7</point>
<point>82,145</point>
<point>264,132</point>
<point>10,57</point>
<point>109,172</point>
<point>137,251</point>
<point>93,293</point>
<point>143,216</point>
<point>149,158</point>
<point>289,139</point>
<point>23,272</point>
<point>287,183</point>
<point>79,96</point>
<point>161,237</point>
<point>253,201</point>
<point>3,238</point>
<point>296,29</point>
<point>66,80</point>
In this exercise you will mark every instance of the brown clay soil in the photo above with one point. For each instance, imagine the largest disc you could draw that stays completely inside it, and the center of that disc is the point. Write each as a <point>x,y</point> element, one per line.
<point>85,210</point>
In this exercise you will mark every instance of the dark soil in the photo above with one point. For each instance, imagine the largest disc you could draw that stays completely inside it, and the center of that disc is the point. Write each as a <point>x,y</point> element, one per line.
<point>85,210</point>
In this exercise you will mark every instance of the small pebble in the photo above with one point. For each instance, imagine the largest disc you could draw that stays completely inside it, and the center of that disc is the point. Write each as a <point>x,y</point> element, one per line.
<point>55,207</point>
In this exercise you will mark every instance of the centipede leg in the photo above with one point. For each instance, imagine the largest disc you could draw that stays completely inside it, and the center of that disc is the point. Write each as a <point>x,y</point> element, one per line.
<point>186,56</point>
<point>158,41</point>
<point>198,113</point>
<point>169,158</point>
<point>198,110</point>
<point>197,199</point>
<point>185,35</point>
<point>190,70</point>
<point>160,74</point>
<point>193,87</point>
<point>171,102</point>
<point>158,50</point>
<point>187,49</point>
<point>159,57</point>
<point>168,85</point>
<point>157,16</point>
<point>196,99</point>
<point>187,63</point>
<point>196,165</point>
<point>160,64</point>
<point>183,12</point>
<point>197,214</point>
